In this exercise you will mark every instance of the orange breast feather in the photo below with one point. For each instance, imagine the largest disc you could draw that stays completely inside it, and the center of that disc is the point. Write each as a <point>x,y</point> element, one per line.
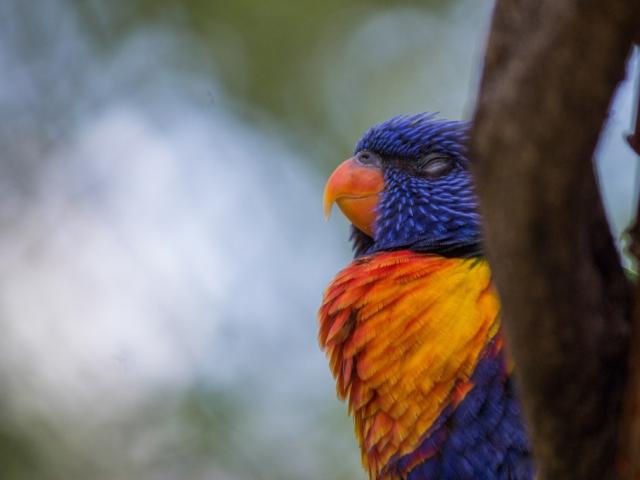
<point>403,332</point>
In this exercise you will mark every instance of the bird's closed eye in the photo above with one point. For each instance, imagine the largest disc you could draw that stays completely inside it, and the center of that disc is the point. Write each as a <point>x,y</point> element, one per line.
<point>365,157</point>
<point>435,165</point>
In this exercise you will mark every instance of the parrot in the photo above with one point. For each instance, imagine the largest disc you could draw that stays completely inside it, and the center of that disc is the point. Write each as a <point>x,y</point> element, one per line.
<point>411,327</point>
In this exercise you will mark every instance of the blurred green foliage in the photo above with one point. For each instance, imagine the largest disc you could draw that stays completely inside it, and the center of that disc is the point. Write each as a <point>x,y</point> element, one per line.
<point>262,50</point>
<point>274,58</point>
<point>311,74</point>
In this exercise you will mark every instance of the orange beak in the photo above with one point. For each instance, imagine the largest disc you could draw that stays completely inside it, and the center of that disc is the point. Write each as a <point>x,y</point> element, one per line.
<point>356,189</point>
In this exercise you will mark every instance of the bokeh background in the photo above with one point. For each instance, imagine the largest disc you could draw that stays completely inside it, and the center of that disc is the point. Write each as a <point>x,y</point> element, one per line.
<point>162,246</point>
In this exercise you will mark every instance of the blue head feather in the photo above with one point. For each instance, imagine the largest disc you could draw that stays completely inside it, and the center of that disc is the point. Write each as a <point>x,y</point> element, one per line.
<point>417,211</point>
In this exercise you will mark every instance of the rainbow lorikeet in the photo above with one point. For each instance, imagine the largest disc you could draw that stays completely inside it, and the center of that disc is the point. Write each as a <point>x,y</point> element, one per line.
<point>411,326</point>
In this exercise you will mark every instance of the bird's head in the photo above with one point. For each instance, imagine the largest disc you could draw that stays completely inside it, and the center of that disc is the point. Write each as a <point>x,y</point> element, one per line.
<point>408,185</point>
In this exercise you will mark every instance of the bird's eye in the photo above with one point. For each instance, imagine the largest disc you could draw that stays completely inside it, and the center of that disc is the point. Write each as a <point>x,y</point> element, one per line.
<point>435,165</point>
<point>366,157</point>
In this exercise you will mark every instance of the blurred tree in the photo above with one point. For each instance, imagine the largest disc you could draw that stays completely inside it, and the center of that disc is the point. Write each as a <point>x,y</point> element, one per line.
<point>551,70</point>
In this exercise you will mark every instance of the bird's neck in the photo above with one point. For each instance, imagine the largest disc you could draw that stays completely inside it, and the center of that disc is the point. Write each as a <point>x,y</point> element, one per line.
<point>441,218</point>
<point>472,247</point>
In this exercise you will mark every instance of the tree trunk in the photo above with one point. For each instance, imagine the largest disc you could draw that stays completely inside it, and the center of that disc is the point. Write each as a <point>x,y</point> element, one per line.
<point>550,71</point>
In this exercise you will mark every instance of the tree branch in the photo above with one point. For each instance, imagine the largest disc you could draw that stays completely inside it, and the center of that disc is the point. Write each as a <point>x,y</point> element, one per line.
<point>628,463</point>
<point>550,72</point>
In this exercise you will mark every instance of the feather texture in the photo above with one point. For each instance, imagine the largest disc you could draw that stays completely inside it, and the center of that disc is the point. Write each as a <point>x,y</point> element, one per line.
<point>410,338</point>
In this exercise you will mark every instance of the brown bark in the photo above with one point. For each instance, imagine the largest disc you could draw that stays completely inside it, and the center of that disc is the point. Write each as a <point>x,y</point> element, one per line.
<point>628,457</point>
<point>550,71</point>
<point>629,460</point>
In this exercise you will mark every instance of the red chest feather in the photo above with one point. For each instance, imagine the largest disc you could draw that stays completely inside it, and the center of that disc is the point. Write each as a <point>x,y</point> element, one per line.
<point>404,332</point>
